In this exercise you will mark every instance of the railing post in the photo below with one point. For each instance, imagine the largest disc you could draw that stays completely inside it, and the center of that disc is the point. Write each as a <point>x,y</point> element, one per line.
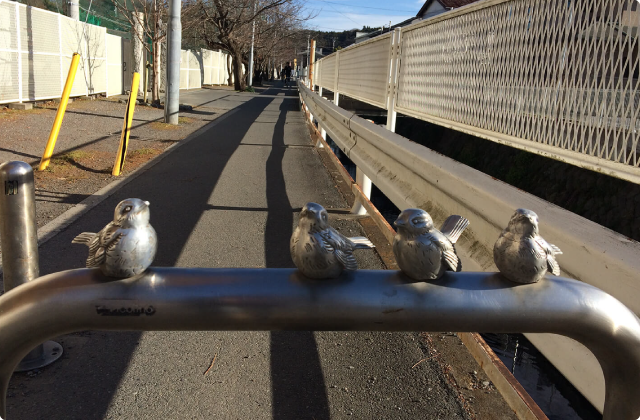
<point>364,182</point>
<point>394,69</point>
<point>323,134</point>
<point>336,94</point>
<point>19,238</point>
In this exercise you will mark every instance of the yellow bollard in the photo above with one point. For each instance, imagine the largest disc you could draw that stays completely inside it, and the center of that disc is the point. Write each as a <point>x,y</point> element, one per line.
<point>55,130</point>
<point>126,127</point>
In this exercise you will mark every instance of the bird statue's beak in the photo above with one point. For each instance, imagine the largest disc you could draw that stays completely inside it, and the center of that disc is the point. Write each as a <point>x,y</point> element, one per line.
<point>398,223</point>
<point>147,203</point>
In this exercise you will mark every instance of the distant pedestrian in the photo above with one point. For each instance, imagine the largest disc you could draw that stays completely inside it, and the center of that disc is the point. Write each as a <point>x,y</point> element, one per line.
<point>287,74</point>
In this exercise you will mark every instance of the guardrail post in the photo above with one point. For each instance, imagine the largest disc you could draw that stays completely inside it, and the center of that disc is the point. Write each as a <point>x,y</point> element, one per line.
<point>323,134</point>
<point>320,91</point>
<point>393,79</point>
<point>364,182</point>
<point>336,98</point>
<point>19,238</point>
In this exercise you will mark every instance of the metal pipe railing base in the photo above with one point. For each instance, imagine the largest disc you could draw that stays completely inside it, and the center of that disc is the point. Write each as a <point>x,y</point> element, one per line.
<point>179,299</point>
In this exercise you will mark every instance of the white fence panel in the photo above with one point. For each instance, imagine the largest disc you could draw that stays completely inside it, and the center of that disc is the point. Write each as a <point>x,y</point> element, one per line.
<point>36,47</point>
<point>39,53</point>
<point>195,69</point>
<point>213,67</point>
<point>327,76</point>
<point>364,70</point>
<point>10,64</point>
<point>35,54</point>
<point>114,65</point>
<point>184,70</point>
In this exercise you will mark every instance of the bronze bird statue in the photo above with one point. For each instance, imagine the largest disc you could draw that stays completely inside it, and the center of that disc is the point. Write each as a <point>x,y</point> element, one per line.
<point>422,251</point>
<point>318,250</point>
<point>127,245</point>
<point>521,254</point>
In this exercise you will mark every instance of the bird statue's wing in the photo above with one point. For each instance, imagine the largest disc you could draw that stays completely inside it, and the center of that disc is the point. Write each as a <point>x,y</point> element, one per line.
<point>342,248</point>
<point>453,227</point>
<point>105,240</point>
<point>92,240</point>
<point>449,255</point>
<point>360,242</point>
<point>549,252</point>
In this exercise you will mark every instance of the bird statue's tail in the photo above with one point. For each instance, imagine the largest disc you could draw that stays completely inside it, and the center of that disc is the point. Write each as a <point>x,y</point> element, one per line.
<point>453,227</point>
<point>84,238</point>
<point>361,242</point>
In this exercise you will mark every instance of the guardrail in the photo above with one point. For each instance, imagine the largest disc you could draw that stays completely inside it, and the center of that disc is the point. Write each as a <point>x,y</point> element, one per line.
<point>177,299</point>
<point>558,78</point>
<point>411,175</point>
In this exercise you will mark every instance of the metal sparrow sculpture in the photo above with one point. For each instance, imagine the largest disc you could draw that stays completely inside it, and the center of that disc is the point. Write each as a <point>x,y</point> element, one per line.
<point>126,246</point>
<point>318,250</point>
<point>521,254</point>
<point>422,251</point>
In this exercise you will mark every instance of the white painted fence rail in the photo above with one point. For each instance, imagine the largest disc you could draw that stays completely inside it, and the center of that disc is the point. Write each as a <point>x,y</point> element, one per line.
<point>411,175</point>
<point>555,77</point>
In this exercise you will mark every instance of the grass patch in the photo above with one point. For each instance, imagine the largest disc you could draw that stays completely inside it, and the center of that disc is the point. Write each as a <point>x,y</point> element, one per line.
<point>157,125</point>
<point>70,157</point>
<point>184,120</point>
<point>144,152</point>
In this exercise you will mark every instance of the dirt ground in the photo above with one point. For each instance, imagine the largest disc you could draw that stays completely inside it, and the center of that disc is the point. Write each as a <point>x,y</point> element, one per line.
<point>87,144</point>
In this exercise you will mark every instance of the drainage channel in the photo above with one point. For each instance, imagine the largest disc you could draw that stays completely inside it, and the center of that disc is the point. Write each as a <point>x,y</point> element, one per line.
<point>553,393</point>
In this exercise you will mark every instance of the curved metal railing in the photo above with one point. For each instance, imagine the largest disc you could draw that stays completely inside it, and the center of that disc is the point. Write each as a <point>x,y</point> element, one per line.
<point>365,300</point>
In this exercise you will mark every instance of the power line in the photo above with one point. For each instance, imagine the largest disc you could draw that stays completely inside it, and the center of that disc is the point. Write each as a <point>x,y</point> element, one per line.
<point>344,15</point>
<point>366,7</point>
<point>365,14</point>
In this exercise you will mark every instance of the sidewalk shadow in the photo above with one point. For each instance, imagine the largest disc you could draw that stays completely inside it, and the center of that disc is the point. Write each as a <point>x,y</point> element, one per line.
<point>297,382</point>
<point>82,385</point>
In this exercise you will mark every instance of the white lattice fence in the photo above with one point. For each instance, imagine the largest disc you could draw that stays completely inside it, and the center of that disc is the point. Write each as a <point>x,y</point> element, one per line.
<point>560,73</point>
<point>556,77</point>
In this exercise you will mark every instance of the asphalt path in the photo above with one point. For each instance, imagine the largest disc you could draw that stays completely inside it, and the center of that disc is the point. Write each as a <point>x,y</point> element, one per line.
<point>230,198</point>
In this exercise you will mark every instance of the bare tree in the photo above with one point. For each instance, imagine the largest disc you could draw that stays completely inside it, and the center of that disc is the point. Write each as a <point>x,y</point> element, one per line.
<point>227,25</point>
<point>150,16</point>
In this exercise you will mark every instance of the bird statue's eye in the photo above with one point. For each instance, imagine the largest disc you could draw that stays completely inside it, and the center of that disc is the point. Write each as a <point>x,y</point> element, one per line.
<point>324,217</point>
<point>415,221</point>
<point>128,209</point>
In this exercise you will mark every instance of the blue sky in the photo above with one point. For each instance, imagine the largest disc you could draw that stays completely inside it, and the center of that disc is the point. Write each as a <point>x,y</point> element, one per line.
<point>339,15</point>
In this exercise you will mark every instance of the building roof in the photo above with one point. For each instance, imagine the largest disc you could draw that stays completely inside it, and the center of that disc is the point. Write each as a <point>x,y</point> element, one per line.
<point>449,4</point>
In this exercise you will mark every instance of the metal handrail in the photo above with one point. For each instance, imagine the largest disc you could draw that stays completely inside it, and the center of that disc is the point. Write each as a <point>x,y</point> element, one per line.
<point>173,299</point>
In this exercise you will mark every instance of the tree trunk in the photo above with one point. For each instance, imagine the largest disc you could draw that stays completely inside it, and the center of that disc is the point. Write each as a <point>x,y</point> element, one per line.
<point>157,47</point>
<point>155,89</point>
<point>229,70</point>
<point>240,83</point>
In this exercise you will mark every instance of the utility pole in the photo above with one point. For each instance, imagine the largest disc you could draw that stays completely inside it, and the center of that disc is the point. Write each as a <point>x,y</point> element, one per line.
<point>253,35</point>
<point>308,53</point>
<point>74,9</point>
<point>174,41</point>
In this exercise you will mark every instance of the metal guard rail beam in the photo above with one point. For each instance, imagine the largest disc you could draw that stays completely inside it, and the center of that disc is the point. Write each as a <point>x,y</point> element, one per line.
<point>170,299</point>
<point>411,175</point>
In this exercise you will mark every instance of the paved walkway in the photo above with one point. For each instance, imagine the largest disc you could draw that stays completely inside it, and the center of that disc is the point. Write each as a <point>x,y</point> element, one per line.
<point>230,198</point>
